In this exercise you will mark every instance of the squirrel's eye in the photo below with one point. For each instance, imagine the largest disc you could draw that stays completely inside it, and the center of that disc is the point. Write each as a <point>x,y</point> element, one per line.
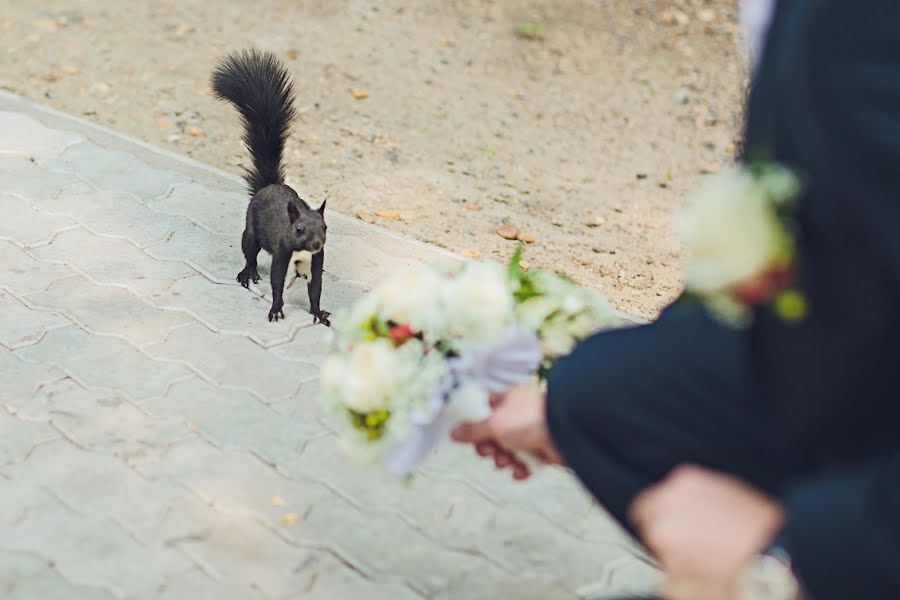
<point>299,229</point>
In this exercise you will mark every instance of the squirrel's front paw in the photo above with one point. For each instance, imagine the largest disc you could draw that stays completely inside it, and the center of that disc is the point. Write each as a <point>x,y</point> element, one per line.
<point>245,277</point>
<point>321,316</point>
<point>276,311</point>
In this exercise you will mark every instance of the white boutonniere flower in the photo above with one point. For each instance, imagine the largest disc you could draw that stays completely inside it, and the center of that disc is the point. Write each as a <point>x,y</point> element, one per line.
<point>739,243</point>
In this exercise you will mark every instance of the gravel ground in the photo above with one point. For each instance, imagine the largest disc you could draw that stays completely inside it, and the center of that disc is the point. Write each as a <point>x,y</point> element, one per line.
<point>576,124</point>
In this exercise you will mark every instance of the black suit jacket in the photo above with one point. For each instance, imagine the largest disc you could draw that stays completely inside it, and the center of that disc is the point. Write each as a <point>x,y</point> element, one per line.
<point>826,102</point>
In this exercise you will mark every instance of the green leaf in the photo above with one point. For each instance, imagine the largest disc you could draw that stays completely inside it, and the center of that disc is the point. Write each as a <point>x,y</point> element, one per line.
<point>515,269</point>
<point>529,31</point>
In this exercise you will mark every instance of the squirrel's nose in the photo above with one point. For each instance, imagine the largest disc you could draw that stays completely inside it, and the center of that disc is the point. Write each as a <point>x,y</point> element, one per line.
<point>316,246</point>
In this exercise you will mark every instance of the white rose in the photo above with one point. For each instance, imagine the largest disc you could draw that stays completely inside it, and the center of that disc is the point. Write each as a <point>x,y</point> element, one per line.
<point>413,297</point>
<point>729,230</point>
<point>479,301</point>
<point>366,379</point>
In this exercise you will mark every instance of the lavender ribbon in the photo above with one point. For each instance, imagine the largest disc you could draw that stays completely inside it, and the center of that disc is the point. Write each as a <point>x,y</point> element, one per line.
<point>513,358</point>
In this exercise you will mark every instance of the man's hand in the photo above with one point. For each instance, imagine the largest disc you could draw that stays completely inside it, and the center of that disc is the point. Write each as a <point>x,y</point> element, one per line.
<point>518,423</point>
<point>706,529</point>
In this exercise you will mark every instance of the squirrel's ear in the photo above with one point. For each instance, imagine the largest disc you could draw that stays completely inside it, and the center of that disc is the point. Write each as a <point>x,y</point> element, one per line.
<point>293,212</point>
<point>321,209</point>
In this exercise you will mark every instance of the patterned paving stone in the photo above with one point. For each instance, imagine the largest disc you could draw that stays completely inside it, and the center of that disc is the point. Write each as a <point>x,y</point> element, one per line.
<point>306,346</point>
<point>115,214</point>
<point>623,577</point>
<point>304,405</point>
<point>575,511</point>
<point>21,380</point>
<point>118,562</point>
<point>25,226</point>
<point>21,325</point>
<point>236,483</point>
<point>24,274</point>
<point>217,210</point>
<point>231,309</point>
<point>101,421</point>
<point>24,576</point>
<point>217,255</point>
<point>24,177</point>
<point>80,353</point>
<point>455,516</point>
<point>113,261</point>
<point>485,582</point>
<point>95,484</point>
<point>235,419</point>
<point>239,552</point>
<point>109,310</point>
<point>27,136</point>
<point>116,171</point>
<point>20,497</point>
<point>387,545</point>
<point>361,259</point>
<point>233,361</point>
<point>20,437</point>
<point>195,584</point>
<point>332,579</point>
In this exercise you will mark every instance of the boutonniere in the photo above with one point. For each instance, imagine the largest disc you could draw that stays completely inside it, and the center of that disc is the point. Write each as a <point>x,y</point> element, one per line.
<point>738,235</point>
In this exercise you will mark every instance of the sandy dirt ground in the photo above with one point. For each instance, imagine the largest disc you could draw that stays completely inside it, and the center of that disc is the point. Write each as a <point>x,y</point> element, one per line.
<point>578,124</point>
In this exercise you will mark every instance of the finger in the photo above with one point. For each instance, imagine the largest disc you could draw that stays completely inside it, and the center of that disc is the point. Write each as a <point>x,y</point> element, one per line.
<point>486,448</point>
<point>637,512</point>
<point>643,508</point>
<point>521,471</point>
<point>502,459</point>
<point>472,433</point>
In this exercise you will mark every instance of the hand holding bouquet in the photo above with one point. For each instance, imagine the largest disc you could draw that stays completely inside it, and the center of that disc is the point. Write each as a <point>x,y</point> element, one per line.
<point>423,352</point>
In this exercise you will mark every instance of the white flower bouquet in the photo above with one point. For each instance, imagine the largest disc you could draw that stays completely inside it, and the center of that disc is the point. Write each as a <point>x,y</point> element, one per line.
<point>737,232</point>
<point>423,352</point>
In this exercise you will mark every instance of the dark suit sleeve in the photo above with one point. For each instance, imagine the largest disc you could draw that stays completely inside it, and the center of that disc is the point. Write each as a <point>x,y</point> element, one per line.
<point>842,533</point>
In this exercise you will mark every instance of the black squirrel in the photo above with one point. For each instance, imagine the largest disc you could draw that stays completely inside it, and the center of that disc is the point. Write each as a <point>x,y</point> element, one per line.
<point>278,220</point>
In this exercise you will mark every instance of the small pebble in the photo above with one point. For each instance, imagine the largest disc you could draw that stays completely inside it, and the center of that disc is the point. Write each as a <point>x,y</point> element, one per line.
<point>681,96</point>
<point>525,237</point>
<point>508,231</point>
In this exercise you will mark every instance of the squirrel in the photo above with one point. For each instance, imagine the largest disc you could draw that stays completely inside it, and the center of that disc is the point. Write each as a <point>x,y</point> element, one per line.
<point>278,220</point>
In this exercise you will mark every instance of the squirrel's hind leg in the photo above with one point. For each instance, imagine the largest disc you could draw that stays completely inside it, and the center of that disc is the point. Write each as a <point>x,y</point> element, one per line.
<point>251,249</point>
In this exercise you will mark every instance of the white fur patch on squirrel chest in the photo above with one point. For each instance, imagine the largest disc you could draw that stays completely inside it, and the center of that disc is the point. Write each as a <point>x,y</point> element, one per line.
<point>300,266</point>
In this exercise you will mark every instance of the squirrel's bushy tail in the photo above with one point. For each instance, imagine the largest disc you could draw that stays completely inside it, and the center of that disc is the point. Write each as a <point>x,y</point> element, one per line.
<point>259,86</point>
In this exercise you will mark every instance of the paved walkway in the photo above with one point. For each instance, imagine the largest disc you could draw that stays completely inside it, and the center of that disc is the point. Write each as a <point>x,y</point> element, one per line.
<point>160,439</point>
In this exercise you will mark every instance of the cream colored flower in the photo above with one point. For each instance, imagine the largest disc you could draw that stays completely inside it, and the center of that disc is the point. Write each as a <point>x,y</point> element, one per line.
<point>413,297</point>
<point>365,379</point>
<point>730,232</point>
<point>478,302</point>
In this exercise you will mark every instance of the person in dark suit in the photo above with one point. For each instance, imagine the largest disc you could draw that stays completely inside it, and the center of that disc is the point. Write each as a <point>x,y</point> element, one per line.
<point>714,446</point>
